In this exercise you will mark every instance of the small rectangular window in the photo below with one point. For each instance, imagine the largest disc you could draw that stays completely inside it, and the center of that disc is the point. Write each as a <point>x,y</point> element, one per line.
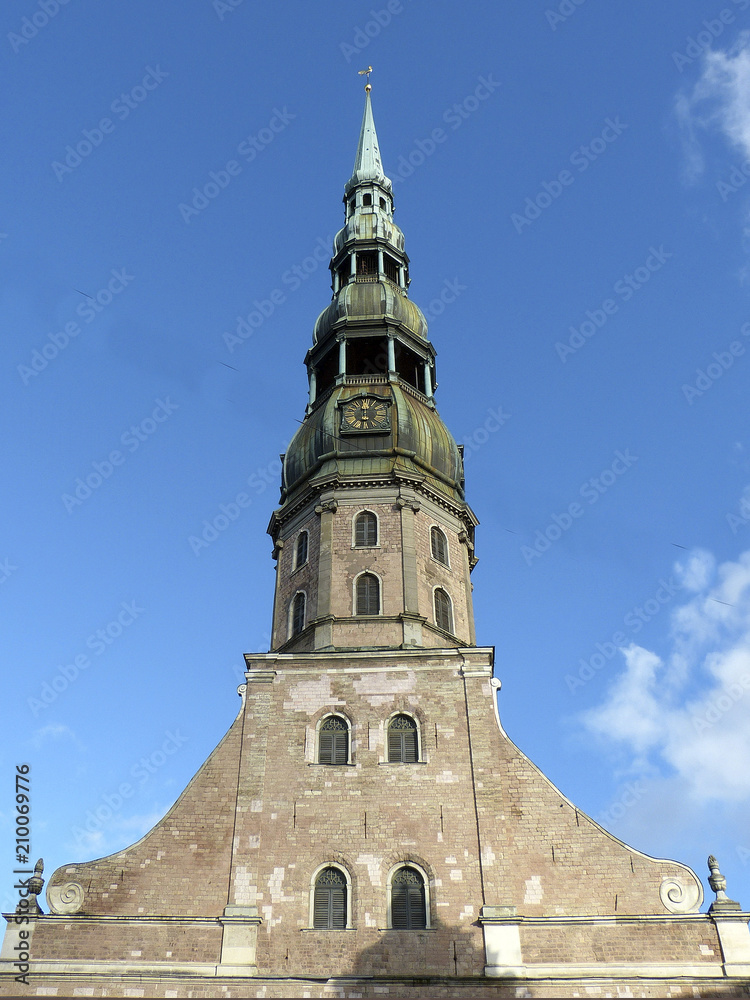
<point>366,530</point>
<point>301,550</point>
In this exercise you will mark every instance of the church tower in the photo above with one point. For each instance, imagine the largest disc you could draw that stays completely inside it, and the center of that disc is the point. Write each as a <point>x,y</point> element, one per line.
<point>374,538</point>
<point>366,828</point>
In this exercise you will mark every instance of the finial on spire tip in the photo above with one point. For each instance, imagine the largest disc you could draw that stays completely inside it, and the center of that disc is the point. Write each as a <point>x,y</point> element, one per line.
<point>366,72</point>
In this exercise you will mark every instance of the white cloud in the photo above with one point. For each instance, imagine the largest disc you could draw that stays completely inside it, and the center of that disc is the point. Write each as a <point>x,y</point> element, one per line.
<point>720,100</point>
<point>724,89</point>
<point>631,712</point>
<point>53,733</point>
<point>686,714</point>
<point>696,571</point>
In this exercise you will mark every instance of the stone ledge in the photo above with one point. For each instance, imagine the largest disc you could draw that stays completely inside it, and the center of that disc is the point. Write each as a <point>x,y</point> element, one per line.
<point>737,970</point>
<point>236,971</point>
<point>328,930</point>
<point>604,971</point>
<point>240,915</point>
<point>493,918</point>
<point>176,972</point>
<point>390,654</point>
<point>67,967</point>
<point>107,918</point>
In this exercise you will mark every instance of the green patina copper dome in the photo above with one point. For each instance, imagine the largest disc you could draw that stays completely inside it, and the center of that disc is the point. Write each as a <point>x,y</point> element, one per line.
<point>417,445</point>
<point>374,302</point>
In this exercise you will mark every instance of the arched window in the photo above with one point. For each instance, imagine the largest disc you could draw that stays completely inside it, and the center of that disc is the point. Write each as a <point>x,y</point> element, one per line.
<point>298,613</point>
<point>408,910</point>
<point>439,545</point>
<point>333,741</point>
<point>402,739</point>
<point>443,610</point>
<point>367,595</point>
<point>329,900</point>
<point>367,199</point>
<point>300,551</point>
<point>365,530</point>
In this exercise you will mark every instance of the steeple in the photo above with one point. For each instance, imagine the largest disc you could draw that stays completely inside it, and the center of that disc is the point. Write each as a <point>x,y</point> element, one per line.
<point>368,165</point>
<point>368,212</point>
<point>374,538</point>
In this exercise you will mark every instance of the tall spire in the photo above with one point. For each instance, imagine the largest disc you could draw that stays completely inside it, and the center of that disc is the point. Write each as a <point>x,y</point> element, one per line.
<point>372,496</point>
<point>367,163</point>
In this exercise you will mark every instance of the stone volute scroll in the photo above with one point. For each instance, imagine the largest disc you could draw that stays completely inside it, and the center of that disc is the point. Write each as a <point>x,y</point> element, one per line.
<point>414,505</point>
<point>65,899</point>
<point>679,895</point>
<point>327,507</point>
<point>242,692</point>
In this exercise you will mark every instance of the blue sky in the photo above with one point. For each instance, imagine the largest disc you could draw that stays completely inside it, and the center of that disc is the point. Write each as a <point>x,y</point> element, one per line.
<point>574,178</point>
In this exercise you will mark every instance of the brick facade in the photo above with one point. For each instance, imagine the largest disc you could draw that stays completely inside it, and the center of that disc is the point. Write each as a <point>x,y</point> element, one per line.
<point>398,568</point>
<point>520,883</point>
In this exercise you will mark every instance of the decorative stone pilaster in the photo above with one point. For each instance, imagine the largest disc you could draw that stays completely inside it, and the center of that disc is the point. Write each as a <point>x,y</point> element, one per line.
<point>325,510</point>
<point>412,622</point>
<point>239,940</point>
<point>502,941</point>
<point>470,562</point>
<point>731,925</point>
<point>17,941</point>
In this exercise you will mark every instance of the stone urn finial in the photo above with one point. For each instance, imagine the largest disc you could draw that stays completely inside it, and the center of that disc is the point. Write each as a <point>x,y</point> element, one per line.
<point>719,884</point>
<point>35,885</point>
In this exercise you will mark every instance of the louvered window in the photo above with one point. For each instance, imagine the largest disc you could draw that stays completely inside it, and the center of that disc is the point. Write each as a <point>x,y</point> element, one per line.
<point>365,530</point>
<point>408,910</point>
<point>391,268</point>
<point>333,741</point>
<point>368,595</point>
<point>329,901</point>
<point>300,557</point>
<point>298,613</point>
<point>367,262</point>
<point>443,611</point>
<point>439,545</point>
<point>402,739</point>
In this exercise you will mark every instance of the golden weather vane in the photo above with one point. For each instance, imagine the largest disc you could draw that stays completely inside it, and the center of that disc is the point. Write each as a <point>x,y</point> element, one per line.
<point>366,72</point>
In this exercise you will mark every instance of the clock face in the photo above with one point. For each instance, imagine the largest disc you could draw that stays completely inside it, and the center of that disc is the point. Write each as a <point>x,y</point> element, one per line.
<point>365,414</point>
